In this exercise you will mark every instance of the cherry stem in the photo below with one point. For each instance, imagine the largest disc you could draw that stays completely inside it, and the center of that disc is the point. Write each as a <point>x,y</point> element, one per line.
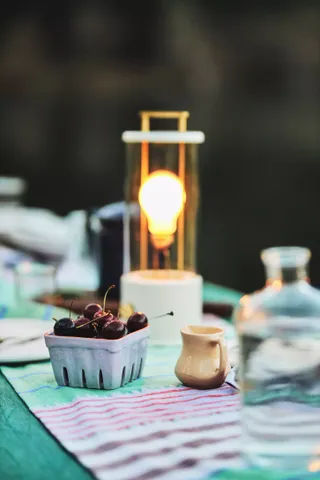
<point>55,319</point>
<point>105,296</point>
<point>95,329</point>
<point>163,315</point>
<point>71,303</point>
<point>91,321</point>
<point>88,323</point>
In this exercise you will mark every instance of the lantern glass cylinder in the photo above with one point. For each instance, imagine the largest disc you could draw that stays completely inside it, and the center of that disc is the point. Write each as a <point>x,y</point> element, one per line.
<point>144,253</point>
<point>162,188</point>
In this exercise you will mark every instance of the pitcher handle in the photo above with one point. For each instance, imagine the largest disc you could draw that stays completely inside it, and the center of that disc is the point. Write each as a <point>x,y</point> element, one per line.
<point>223,356</point>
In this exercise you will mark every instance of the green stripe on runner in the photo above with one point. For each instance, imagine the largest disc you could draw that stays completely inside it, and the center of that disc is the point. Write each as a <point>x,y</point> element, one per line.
<point>256,474</point>
<point>36,384</point>
<point>285,393</point>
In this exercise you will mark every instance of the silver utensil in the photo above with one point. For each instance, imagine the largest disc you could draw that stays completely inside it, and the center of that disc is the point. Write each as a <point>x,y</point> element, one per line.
<point>9,341</point>
<point>231,379</point>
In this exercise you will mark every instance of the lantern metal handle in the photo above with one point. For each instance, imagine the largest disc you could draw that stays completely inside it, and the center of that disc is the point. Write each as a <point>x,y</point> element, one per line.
<point>180,116</point>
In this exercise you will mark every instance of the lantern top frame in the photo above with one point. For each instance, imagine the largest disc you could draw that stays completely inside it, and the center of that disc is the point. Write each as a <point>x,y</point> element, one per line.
<point>163,136</point>
<point>181,135</point>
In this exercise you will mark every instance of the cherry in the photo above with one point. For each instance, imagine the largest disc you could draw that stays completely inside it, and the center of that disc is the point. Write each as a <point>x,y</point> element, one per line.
<point>113,330</point>
<point>91,310</point>
<point>96,324</point>
<point>101,318</point>
<point>83,328</point>
<point>64,327</point>
<point>136,321</point>
<point>139,320</point>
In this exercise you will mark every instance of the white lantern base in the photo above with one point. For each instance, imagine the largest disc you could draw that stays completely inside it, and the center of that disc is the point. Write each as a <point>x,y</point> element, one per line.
<point>156,292</point>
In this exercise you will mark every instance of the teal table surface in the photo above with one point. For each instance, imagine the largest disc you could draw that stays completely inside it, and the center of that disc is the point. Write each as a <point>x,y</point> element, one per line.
<point>27,450</point>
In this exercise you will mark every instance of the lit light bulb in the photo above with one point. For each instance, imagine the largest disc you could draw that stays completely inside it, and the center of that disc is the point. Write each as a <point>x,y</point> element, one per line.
<point>162,197</point>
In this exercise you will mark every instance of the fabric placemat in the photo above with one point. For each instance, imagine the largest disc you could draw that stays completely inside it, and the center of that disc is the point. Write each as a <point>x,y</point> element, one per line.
<point>153,428</point>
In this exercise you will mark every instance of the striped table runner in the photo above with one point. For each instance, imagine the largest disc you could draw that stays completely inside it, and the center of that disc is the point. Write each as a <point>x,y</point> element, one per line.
<point>153,428</point>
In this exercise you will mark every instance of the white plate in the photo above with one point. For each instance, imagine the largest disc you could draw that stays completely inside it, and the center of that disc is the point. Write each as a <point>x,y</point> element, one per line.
<point>24,328</point>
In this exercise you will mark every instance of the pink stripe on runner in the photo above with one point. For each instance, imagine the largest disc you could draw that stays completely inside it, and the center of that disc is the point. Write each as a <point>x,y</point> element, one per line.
<point>87,401</point>
<point>56,420</point>
<point>143,419</point>
<point>79,435</point>
<point>140,404</point>
<point>60,432</point>
<point>125,414</point>
<point>142,395</point>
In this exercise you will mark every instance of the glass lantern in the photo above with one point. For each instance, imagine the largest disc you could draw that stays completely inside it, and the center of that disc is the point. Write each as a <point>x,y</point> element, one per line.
<point>160,240</point>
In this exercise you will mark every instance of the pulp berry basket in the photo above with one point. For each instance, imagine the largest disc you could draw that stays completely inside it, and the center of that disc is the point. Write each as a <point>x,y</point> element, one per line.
<point>96,362</point>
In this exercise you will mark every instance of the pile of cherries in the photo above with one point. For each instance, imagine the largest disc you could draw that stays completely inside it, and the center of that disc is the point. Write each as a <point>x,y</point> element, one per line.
<point>96,322</point>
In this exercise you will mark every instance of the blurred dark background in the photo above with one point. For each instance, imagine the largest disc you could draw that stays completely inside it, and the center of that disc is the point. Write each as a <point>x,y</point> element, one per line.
<point>73,76</point>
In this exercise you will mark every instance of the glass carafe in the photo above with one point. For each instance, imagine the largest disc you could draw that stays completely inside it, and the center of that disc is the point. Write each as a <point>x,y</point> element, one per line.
<point>279,336</point>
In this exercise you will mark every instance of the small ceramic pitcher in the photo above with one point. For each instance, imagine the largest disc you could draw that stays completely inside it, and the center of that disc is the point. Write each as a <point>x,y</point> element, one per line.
<point>203,362</point>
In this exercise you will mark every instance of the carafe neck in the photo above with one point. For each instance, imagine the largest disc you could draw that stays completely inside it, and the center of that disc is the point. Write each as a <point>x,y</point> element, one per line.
<point>285,265</point>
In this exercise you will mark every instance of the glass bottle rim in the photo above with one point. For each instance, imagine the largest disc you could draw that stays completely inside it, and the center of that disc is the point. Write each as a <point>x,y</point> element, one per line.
<point>285,257</point>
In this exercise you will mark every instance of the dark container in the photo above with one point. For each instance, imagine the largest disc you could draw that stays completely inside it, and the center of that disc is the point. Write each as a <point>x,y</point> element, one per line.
<point>107,240</point>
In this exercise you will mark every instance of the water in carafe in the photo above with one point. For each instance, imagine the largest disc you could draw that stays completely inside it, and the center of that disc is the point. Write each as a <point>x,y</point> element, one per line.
<point>279,335</point>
